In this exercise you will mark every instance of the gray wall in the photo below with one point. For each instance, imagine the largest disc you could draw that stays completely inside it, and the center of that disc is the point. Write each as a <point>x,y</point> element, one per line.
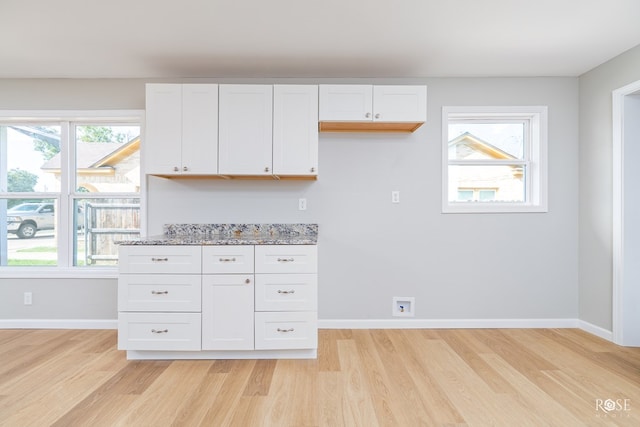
<point>457,266</point>
<point>596,131</point>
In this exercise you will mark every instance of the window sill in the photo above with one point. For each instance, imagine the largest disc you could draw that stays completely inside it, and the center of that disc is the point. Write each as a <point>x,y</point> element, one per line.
<point>58,273</point>
<point>493,208</point>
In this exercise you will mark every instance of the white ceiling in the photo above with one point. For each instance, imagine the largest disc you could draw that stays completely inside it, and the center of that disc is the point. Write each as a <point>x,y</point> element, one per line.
<point>312,38</point>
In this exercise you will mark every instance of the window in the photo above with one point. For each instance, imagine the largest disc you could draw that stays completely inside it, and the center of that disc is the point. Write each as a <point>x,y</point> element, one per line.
<point>494,159</point>
<point>69,187</point>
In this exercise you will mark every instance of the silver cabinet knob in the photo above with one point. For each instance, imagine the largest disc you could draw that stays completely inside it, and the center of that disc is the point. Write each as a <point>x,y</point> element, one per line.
<point>184,168</point>
<point>377,116</point>
<point>247,281</point>
<point>313,169</point>
<point>176,169</point>
<point>368,115</point>
<point>266,169</point>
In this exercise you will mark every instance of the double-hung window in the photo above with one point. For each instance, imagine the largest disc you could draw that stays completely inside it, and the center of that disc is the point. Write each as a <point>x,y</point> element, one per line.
<point>69,187</point>
<point>494,159</point>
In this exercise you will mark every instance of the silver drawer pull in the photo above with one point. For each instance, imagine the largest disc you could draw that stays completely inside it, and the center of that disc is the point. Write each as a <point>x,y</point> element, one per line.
<point>159,331</point>
<point>286,330</point>
<point>159,259</point>
<point>285,259</point>
<point>227,259</point>
<point>159,292</point>
<point>290,291</point>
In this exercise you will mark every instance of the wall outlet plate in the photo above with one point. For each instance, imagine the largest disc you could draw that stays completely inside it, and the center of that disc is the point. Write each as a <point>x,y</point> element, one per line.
<point>403,306</point>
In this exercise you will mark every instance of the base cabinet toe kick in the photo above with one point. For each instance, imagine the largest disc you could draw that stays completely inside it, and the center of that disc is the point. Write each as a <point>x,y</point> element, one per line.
<point>218,302</point>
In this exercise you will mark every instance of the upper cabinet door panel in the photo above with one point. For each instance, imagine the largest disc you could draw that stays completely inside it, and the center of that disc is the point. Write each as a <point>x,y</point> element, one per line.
<point>346,103</point>
<point>295,129</point>
<point>245,129</point>
<point>199,129</point>
<point>400,103</point>
<point>163,131</point>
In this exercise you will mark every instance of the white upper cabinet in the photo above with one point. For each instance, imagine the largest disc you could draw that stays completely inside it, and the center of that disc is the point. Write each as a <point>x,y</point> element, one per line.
<point>181,129</point>
<point>246,130</point>
<point>295,130</point>
<point>400,103</point>
<point>346,103</point>
<point>393,108</point>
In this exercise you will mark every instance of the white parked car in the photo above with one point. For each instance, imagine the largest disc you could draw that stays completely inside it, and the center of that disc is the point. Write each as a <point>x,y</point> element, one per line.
<point>26,219</point>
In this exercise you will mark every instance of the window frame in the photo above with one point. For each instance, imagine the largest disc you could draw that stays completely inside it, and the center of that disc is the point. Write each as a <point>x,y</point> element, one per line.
<point>65,197</point>
<point>534,158</point>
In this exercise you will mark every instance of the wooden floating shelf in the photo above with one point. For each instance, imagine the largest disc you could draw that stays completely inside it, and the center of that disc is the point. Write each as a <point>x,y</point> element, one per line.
<point>243,177</point>
<point>398,127</point>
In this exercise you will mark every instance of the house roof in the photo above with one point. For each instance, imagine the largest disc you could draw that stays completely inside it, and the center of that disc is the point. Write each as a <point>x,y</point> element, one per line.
<point>476,144</point>
<point>94,155</point>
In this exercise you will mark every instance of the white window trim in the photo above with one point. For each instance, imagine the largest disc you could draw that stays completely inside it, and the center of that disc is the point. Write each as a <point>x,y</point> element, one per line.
<point>536,184</point>
<point>64,270</point>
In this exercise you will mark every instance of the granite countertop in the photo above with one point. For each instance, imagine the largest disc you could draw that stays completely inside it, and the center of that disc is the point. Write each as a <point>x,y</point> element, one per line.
<point>231,234</point>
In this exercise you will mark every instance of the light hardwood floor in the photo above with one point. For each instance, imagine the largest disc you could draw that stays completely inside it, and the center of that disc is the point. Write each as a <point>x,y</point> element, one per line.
<point>475,377</point>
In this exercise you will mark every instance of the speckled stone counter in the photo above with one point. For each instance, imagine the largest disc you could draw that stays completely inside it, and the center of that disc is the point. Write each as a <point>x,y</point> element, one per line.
<point>232,234</point>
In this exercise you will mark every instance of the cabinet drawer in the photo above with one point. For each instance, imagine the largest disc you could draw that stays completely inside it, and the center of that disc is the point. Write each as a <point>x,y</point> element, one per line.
<point>159,292</point>
<point>159,331</point>
<point>287,259</point>
<point>160,259</point>
<point>286,292</point>
<point>283,330</point>
<point>227,259</point>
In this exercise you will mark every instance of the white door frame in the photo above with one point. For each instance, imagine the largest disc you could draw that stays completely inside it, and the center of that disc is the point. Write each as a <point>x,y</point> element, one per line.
<point>620,288</point>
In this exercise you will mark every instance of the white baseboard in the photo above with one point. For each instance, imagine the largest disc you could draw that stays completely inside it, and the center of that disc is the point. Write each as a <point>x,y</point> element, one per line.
<point>596,330</point>
<point>58,324</point>
<point>345,324</point>
<point>445,323</point>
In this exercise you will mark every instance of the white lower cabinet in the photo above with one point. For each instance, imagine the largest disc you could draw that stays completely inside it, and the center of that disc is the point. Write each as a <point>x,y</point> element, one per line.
<point>227,312</point>
<point>159,331</point>
<point>218,302</point>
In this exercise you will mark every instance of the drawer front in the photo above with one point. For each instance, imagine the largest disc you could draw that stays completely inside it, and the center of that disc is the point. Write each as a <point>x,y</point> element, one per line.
<point>286,259</point>
<point>160,259</point>
<point>275,330</point>
<point>227,259</point>
<point>286,292</point>
<point>159,292</point>
<point>159,331</point>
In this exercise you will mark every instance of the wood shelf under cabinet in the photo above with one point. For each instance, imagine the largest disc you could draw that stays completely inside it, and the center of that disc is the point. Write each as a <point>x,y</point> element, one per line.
<point>243,177</point>
<point>400,127</point>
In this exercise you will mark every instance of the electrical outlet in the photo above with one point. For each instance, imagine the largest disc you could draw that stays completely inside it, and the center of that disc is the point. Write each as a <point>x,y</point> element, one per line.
<point>403,306</point>
<point>395,197</point>
<point>28,298</point>
<point>302,204</point>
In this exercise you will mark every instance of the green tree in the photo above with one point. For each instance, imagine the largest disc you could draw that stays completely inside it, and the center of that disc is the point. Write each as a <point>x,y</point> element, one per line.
<point>99,134</point>
<point>46,143</point>
<point>19,180</point>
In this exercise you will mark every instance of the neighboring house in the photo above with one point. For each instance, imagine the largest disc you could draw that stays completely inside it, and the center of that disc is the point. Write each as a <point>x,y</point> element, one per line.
<point>483,182</point>
<point>104,166</point>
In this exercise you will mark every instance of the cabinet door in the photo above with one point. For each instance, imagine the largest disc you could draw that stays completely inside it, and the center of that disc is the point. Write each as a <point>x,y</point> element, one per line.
<point>227,312</point>
<point>163,129</point>
<point>246,129</point>
<point>400,103</point>
<point>346,103</point>
<point>199,129</point>
<point>295,130</point>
